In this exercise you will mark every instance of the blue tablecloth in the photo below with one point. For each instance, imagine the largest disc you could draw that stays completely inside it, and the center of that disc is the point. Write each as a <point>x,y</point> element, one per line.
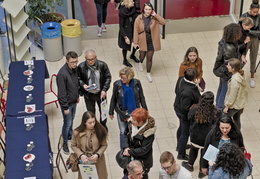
<point>16,97</point>
<point>17,139</point>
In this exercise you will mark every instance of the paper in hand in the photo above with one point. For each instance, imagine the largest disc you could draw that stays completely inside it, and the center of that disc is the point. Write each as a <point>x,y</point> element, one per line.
<point>211,153</point>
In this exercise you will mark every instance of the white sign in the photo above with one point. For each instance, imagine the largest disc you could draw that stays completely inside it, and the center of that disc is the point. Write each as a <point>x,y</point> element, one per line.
<point>88,171</point>
<point>104,111</point>
<point>28,62</point>
<point>29,120</point>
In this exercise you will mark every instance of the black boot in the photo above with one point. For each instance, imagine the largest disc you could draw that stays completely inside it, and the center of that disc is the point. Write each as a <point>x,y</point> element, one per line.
<point>126,63</point>
<point>134,58</point>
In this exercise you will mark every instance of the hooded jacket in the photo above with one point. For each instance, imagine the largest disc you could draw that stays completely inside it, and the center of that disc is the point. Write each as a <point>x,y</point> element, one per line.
<point>236,96</point>
<point>141,144</point>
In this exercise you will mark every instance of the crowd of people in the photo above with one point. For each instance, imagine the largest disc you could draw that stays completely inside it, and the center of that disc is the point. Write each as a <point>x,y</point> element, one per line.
<point>200,120</point>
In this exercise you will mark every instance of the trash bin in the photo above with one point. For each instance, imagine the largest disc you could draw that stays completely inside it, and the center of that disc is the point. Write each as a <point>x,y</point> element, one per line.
<point>52,44</point>
<point>71,35</point>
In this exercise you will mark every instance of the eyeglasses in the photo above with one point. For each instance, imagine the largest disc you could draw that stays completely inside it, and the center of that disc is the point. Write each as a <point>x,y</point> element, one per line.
<point>138,174</point>
<point>90,60</point>
<point>74,62</point>
<point>167,168</point>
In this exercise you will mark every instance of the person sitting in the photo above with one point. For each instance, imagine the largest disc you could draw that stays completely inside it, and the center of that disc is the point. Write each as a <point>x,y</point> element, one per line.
<point>170,169</point>
<point>134,170</point>
<point>230,163</point>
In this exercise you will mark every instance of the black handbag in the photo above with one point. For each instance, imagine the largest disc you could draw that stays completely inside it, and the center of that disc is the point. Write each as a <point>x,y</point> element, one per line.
<point>122,160</point>
<point>123,114</point>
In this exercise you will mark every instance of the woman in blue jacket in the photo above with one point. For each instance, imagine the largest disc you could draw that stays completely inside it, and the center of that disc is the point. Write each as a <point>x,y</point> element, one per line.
<point>230,163</point>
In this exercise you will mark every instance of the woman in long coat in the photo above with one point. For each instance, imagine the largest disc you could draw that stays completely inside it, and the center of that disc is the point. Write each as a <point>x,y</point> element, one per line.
<point>147,36</point>
<point>127,15</point>
<point>89,142</point>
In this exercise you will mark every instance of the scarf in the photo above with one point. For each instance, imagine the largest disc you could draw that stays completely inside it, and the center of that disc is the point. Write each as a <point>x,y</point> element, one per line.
<point>128,100</point>
<point>135,129</point>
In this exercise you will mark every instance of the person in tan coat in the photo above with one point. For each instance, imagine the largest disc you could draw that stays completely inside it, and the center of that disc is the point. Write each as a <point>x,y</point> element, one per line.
<point>147,36</point>
<point>236,97</point>
<point>89,142</point>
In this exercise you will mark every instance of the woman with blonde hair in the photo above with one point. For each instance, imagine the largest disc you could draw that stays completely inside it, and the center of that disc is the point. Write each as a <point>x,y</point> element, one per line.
<point>246,24</point>
<point>236,97</point>
<point>127,15</point>
<point>254,34</point>
<point>126,97</point>
<point>89,142</point>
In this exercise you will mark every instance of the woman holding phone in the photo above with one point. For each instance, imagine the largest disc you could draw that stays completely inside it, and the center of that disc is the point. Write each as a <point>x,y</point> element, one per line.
<point>147,36</point>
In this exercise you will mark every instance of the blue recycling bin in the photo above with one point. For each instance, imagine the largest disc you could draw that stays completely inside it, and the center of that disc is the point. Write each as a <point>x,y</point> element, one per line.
<point>52,43</point>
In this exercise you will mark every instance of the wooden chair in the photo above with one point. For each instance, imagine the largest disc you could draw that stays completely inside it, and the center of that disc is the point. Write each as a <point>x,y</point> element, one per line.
<point>59,157</point>
<point>51,96</point>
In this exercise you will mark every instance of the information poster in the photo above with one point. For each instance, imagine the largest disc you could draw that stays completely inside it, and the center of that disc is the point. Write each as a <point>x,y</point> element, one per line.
<point>88,171</point>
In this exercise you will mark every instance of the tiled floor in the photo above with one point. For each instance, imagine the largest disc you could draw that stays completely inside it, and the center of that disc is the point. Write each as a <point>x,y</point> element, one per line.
<point>159,94</point>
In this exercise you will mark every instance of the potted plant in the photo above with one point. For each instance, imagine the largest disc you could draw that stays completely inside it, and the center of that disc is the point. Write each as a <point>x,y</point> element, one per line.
<point>44,11</point>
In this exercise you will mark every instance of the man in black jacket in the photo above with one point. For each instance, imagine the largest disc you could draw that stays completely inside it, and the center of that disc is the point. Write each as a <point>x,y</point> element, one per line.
<point>94,79</point>
<point>187,94</point>
<point>68,95</point>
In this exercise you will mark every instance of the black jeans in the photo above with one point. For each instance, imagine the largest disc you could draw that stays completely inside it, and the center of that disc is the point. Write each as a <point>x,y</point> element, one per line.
<point>90,101</point>
<point>183,133</point>
<point>193,155</point>
<point>235,114</point>
<point>101,13</point>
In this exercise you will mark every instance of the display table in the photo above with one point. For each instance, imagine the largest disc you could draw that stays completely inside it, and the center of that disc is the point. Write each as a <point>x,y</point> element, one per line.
<point>24,125</point>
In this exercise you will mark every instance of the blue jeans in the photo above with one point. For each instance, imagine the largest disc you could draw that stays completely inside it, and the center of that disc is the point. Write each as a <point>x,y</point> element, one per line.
<point>221,94</point>
<point>101,13</point>
<point>68,122</point>
<point>122,126</point>
<point>183,134</point>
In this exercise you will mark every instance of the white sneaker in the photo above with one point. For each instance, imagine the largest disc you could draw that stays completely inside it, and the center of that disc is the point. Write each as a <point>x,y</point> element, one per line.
<point>103,27</point>
<point>99,32</point>
<point>149,77</point>
<point>141,67</point>
<point>252,82</point>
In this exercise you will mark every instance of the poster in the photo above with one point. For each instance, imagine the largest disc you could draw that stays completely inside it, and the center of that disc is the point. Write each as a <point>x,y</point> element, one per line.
<point>88,171</point>
<point>104,110</point>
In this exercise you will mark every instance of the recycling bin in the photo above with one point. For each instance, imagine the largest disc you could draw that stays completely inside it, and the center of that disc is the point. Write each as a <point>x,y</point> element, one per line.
<point>52,42</point>
<point>71,35</point>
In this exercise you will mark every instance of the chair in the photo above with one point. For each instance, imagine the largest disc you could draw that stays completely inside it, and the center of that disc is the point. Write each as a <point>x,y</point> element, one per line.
<point>2,133</point>
<point>2,169</point>
<point>51,96</point>
<point>3,97</point>
<point>59,157</point>
<point>5,82</point>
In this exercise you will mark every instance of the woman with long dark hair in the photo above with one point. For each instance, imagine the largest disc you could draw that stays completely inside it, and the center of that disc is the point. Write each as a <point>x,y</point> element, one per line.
<point>230,163</point>
<point>202,117</point>
<point>192,60</point>
<point>227,48</point>
<point>147,36</point>
<point>236,97</point>
<point>225,131</point>
<point>89,142</point>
